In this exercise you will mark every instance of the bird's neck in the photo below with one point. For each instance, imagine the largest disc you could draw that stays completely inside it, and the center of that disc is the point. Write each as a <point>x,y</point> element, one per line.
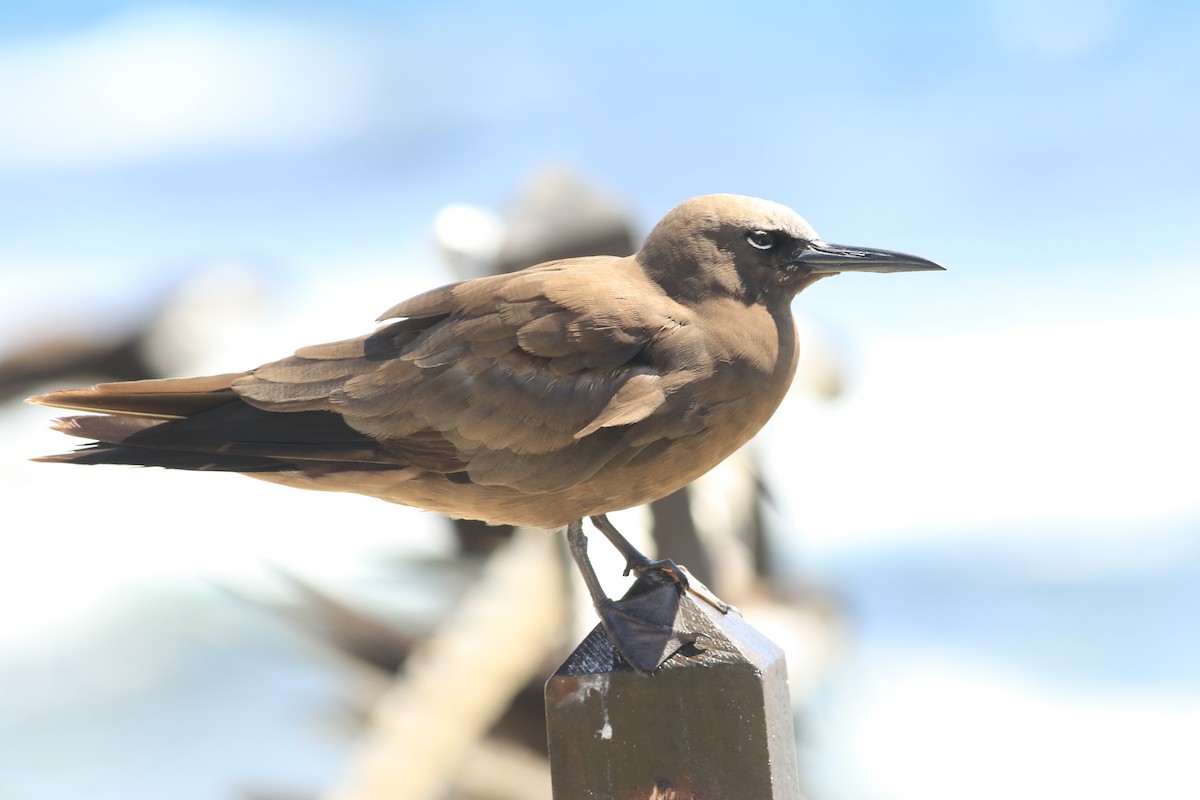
<point>680,277</point>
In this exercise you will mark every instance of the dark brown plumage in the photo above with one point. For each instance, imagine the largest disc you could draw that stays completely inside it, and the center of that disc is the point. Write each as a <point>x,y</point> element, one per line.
<point>538,397</point>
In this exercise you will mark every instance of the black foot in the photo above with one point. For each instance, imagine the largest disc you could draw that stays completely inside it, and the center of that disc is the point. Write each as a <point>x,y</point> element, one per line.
<point>684,581</point>
<point>664,566</point>
<point>644,627</point>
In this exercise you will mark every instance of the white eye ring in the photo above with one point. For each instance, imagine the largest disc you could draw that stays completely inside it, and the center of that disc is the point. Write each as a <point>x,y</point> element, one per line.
<point>760,239</point>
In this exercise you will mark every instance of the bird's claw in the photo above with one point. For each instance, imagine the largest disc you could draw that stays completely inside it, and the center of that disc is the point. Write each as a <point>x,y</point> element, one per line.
<point>665,567</point>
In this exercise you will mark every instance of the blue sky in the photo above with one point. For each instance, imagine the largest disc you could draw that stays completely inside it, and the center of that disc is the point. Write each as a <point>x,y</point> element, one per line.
<point>1007,136</point>
<point>1040,149</point>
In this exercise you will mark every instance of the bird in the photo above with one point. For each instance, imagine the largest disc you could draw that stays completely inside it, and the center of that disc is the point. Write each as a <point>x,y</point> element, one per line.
<point>541,397</point>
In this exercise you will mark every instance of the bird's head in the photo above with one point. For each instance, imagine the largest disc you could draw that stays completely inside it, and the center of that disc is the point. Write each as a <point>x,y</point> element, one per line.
<point>751,249</point>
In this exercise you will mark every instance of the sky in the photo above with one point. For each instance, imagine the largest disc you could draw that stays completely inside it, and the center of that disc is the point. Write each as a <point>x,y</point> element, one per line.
<point>287,161</point>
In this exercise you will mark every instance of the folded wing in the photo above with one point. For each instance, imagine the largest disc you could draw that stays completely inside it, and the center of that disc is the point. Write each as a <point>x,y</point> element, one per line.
<point>523,380</point>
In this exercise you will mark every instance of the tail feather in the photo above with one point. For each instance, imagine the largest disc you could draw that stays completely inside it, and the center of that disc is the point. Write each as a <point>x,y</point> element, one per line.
<point>169,398</point>
<point>201,424</point>
<point>101,453</point>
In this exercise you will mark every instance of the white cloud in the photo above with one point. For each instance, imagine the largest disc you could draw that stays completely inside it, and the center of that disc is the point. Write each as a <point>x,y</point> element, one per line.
<point>1057,29</point>
<point>162,84</point>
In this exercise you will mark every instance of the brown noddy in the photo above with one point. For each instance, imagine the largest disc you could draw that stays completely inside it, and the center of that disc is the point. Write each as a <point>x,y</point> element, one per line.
<point>540,397</point>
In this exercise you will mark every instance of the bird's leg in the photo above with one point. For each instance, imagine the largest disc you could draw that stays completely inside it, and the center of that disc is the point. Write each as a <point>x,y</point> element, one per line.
<point>577,541</point>
<point>635,560</point>
<point>642,625</point>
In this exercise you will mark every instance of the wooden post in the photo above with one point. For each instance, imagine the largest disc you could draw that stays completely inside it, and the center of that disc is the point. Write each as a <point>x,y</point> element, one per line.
<point>713,723</point>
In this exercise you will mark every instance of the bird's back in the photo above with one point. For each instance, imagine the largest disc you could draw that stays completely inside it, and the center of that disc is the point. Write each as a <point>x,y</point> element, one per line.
<point>537,397</point>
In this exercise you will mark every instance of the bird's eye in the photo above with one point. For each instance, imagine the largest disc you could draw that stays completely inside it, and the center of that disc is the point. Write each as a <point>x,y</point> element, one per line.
<point>760,239</point>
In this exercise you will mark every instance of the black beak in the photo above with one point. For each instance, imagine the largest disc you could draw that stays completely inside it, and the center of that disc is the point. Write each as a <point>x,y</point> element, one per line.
<point>825,258</point>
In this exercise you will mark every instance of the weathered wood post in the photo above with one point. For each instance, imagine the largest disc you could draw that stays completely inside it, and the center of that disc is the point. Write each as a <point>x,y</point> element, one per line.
<point>713,723</point>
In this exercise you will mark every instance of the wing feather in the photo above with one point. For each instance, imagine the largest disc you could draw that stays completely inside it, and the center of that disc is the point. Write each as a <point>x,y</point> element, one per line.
<point>534,379</point>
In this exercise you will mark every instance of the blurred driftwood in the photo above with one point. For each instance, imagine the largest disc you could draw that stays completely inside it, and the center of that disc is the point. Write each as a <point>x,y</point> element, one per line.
<point>459,680</point>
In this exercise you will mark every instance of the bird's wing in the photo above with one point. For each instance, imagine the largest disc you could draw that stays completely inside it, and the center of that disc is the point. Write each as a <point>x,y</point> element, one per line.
<point>524,379</point>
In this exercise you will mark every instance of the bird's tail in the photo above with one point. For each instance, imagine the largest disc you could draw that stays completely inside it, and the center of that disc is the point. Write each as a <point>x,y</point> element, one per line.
<point>202,424</point>
<point>171,398</point>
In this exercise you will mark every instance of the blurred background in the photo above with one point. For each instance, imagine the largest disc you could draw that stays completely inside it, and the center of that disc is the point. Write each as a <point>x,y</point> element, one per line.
<point>991,497</point>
